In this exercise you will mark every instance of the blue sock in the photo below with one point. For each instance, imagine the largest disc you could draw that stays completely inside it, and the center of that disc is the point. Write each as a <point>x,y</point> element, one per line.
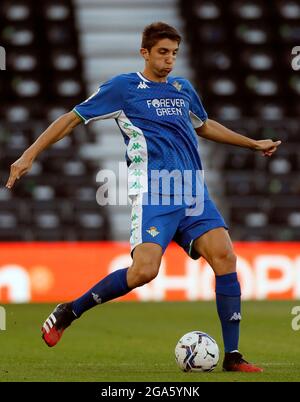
<point>112,286</point>
<point>228,295</point>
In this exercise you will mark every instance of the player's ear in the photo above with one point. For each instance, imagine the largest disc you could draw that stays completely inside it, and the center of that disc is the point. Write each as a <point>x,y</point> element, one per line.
<point>144,53</point>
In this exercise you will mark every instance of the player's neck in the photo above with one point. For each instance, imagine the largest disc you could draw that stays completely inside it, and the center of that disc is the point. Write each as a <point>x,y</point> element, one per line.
<point>153,77</point>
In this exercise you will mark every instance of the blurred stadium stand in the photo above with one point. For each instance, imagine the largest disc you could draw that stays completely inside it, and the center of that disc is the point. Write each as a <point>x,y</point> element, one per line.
<point>236,52</point>
<point>43,80</point>
<point>241,55</point>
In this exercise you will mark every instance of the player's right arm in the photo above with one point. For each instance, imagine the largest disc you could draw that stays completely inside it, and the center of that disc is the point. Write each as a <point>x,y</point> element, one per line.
<point>106,102</point>
<point>55,132</point>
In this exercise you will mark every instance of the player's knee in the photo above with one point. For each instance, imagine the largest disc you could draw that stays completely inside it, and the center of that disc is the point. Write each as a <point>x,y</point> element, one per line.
<point>224,262</point>
<point>147,273</point>
<point>142,273</point>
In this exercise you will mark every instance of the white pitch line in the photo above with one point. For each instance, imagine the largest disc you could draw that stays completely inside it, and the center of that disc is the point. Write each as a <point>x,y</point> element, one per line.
<point>278,364</point>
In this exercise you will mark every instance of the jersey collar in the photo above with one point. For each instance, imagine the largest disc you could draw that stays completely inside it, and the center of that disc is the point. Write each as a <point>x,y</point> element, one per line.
<point>145,79</point>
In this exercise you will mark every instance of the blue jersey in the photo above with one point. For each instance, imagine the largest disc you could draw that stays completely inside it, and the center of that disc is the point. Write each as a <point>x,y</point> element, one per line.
<point>157,121</point>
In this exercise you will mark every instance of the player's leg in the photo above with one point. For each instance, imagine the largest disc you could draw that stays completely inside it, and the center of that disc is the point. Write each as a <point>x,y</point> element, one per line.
<point>144,268</point>
<point>152,229</point>
<point>216,247</point>
<point>145,265</point>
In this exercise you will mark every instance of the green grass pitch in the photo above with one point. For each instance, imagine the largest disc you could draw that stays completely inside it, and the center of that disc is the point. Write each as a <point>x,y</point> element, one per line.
<point>127,341</point>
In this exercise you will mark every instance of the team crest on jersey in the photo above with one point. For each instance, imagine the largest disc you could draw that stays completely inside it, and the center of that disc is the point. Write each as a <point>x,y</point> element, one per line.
<point>153,231</point>
<point>177,85</point>
<point>142,85</point>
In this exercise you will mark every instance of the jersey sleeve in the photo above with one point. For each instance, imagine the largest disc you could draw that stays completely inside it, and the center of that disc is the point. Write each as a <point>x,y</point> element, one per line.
<point>198,114</point>
<point>105,103</point>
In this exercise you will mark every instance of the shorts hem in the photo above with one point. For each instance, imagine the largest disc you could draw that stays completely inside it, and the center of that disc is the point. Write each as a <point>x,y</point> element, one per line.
<point>188,247</point>
<point>143,242</point>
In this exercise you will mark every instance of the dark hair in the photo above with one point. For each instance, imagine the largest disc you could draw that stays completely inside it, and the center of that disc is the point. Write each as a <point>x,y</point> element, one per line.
<point>156,31</point>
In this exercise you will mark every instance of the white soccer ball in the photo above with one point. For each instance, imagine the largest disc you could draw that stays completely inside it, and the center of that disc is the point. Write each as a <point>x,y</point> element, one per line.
<point>197,351</point>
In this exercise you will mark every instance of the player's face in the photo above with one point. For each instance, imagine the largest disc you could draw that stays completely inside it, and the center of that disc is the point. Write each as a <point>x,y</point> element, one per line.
<point>160,60</point>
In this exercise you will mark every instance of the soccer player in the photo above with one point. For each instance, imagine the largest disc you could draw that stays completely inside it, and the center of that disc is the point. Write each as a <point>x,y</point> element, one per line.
<point>159,117</point>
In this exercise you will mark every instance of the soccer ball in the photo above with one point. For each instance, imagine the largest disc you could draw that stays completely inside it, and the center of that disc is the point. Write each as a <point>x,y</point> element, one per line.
<point>197,351</point>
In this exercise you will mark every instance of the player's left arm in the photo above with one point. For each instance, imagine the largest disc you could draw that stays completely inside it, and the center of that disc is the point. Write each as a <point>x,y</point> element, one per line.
<point>215,131</point>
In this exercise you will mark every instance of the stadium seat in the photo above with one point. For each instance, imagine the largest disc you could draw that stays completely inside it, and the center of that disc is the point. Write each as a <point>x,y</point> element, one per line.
<point>222,85</point>
<point>59,34</point>
<point>261,59</point>
<point>239,160</point>
<point>293,219</point>
<point>26,61</point>
<point>207,10</point>
<point>211,33</point>
<point>256,219</point>
<point>269,110</point>
<point>230,110</point>
<point>43,193</point>
<point>85,194</point>
<point>74,168</point>
<point>57,11</point>
<point>18,35</point>
<point>47,220</point>
<point>215,59</point>
<point>283,164</point>
<point>17,10</point>
<point>249,10</point>
<point>63,61</point>
<point>289,10</point>
<point>7,220</point>
<point>53,112</point>
<point>67,88</point>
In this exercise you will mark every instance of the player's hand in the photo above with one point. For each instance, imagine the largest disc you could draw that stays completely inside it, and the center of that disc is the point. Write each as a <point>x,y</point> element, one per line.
<point>20,167</point>
<point>268,147</point>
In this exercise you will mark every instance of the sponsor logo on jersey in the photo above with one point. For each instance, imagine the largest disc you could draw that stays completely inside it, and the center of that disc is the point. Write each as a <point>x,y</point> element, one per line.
<point>142,85</point>
<point>167,106</point>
